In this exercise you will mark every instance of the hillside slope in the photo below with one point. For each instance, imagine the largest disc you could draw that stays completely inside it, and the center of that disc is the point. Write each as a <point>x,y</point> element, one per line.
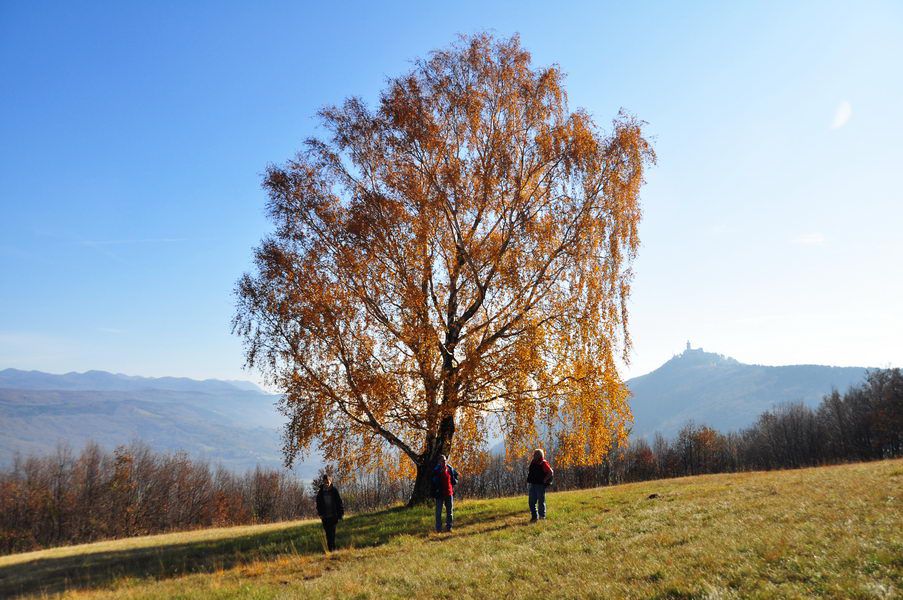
<point>725,394</point>
<point>206,426</point>
<point>824,532</point>
<point>234,424</point>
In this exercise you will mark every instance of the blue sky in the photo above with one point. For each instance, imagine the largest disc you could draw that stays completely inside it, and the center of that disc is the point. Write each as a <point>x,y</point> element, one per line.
<point>134,137</point>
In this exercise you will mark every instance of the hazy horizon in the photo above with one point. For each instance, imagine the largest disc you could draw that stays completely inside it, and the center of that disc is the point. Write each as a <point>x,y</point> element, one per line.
<point>249,378</point>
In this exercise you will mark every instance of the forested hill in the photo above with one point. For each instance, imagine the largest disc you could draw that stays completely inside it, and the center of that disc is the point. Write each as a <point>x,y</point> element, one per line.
<point>235,424</point>
<point>725,394</point>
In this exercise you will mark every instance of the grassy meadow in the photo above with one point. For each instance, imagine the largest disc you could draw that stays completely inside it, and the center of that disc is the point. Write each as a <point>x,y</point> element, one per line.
<point>825,532</point>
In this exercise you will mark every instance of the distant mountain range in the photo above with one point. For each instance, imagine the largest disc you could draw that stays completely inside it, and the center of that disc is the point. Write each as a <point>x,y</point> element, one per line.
<point>116,382</point>
<point>725,394</point>
<point>236,424</point>
<point>233,423</point>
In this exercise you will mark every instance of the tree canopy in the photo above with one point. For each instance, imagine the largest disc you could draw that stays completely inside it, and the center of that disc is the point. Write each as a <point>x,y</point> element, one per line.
<point>461,251</point>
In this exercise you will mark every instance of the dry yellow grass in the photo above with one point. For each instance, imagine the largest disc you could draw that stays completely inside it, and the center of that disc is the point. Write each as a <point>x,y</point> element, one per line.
<point>149,541</point>
<point>826,532</point>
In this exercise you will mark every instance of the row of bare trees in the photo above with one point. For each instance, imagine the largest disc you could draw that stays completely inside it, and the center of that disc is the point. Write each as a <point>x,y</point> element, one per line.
<point>865,423</point>
<point>64,498</point>
<point>67,498</point>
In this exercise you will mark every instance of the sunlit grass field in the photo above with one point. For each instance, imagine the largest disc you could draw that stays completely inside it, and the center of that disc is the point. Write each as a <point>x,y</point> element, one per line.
<point>827,532</point>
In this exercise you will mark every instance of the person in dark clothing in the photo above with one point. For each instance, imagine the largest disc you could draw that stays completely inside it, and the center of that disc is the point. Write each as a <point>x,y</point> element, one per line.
<point>539,477</point>
<point>330,509</point>
<point>444,480</point>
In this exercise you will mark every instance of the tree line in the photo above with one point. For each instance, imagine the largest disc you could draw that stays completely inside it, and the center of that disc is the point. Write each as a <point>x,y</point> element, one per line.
<point>65,498</point>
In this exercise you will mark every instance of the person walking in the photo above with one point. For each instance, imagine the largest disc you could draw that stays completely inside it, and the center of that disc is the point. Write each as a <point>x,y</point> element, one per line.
<point>539,476</point>
<point>330,509</point>
<point>444,480</point>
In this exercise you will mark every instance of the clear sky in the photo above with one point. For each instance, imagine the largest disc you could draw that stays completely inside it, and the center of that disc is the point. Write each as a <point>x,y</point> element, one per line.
<point>134,138</point>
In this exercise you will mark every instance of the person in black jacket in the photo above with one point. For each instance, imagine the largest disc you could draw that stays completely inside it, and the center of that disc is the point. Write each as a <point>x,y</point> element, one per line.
<point>330,509</point>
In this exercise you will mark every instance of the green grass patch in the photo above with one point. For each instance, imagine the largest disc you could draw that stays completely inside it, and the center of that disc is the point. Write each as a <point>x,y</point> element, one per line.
<point>825,532</point>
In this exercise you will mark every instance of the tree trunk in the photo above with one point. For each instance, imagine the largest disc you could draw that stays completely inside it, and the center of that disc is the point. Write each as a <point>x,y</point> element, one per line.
<point>422,485</point>
<point>441,444</point>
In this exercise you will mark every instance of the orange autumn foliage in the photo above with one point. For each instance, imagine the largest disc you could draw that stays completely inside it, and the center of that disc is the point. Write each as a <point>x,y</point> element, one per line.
<point>460,252</point>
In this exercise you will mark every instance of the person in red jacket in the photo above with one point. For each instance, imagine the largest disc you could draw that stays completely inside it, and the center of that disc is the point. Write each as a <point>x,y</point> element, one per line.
<point>539,476</point>
<point>444,480</point>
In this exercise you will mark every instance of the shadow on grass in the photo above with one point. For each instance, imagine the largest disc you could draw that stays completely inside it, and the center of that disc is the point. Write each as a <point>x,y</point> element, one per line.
<point>101,568</point>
